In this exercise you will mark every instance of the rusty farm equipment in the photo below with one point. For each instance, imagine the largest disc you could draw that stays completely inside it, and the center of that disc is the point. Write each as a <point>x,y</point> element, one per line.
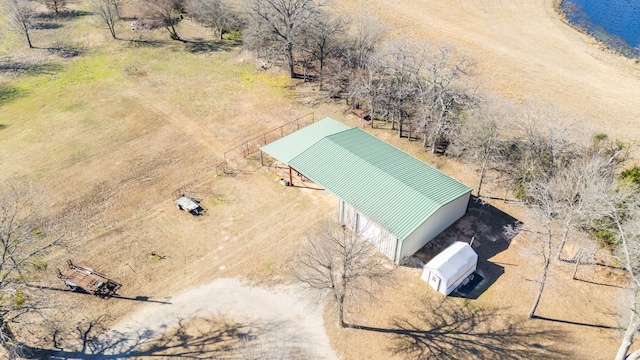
<point>84,279</point>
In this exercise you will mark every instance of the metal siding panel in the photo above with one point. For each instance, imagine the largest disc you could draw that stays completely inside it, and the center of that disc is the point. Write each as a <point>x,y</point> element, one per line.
<point>433,226</point>
<point>388,245</point>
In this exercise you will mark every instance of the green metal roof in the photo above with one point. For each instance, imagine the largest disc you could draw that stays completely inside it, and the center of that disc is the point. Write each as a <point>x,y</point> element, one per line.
<point>387,185</point>
<point>292,145</point>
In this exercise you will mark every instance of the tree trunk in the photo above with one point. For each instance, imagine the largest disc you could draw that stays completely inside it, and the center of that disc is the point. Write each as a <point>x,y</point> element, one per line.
<point>26,33</point>
<point>321,71</point>
<point>116,6</point>
<point>543,281</point>
<point>8,340</point>
<point>634,355</point>
<point>341,312</point>
<point>424,138</point>
<point>483,171</point>
<point>627,340</point>
<point>565,235</point>
<point>292,72</point>
<point>578,259</point>
<point>545,270</point>
<point>371,112</point>
<point>173,33</point>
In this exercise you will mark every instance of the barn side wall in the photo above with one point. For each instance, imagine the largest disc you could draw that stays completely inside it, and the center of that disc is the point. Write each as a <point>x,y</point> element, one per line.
<point>434,225</point>
<point>385,241</point>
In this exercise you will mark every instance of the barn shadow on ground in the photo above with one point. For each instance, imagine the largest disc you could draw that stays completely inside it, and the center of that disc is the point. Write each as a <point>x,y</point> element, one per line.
<point>488,229</point>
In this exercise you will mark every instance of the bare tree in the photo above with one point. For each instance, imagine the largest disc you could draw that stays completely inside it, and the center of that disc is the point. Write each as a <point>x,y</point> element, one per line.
<point>479,138</point>
<point>106,13</point>
<point>560,177</point>
<point>166,14</point>
<point>23,242</point>
<point>443,95</point>
<point>117,5</point>
<point>341,265</point>
<point>620,203</point>
<point>215,14</point>
<point>368,36</point>
<point>575,187</point>
<point>282,22</point>
<point>55,5</point>
<point>20,17</point>
<point>369,85</point>
<point>544,208</point>
<point>360,44</point>
<point>541,144</point>
<point>321,40</point>
<point>401,89</point>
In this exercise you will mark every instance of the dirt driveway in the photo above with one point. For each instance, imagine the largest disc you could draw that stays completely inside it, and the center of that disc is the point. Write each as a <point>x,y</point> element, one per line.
<point>278,320</point>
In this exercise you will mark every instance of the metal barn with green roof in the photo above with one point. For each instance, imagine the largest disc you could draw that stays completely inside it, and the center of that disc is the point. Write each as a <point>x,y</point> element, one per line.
<point>395,200</point>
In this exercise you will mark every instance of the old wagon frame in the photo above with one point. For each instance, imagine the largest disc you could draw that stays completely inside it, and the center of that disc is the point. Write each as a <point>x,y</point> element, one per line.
<point>84,279</point>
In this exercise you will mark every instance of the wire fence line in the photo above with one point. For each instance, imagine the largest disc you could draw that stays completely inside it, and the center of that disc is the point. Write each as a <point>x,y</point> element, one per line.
<point>236,157</point>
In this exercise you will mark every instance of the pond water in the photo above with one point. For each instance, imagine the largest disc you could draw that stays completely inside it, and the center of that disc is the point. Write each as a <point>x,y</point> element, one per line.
<point>615,22</point>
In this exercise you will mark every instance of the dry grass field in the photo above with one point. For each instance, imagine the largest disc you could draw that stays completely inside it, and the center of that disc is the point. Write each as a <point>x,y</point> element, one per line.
<point>524,51</point>
<point>108,130</point>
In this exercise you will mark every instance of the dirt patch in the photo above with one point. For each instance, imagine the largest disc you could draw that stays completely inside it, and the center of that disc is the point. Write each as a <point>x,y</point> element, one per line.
<point>217,320</point>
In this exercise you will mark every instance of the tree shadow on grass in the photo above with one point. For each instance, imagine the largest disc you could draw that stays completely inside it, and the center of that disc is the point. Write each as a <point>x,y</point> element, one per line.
<point>64,52</point>
<point>61,15</point>
<point>449,329</point>
<point>199,338</point>
<point>8,93</point>
<point>199,46</point>
<point>46,25</point>
<point>146,43</point>
<point>578,323</point>
<point>24,68</point>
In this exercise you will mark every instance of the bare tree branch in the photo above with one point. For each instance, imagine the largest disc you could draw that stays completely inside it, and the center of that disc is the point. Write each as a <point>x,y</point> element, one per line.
<point>341,265</point>
<point>20,17</point>
<point>279,24</point>
<point>106,13</point>
<point>23,242</point>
